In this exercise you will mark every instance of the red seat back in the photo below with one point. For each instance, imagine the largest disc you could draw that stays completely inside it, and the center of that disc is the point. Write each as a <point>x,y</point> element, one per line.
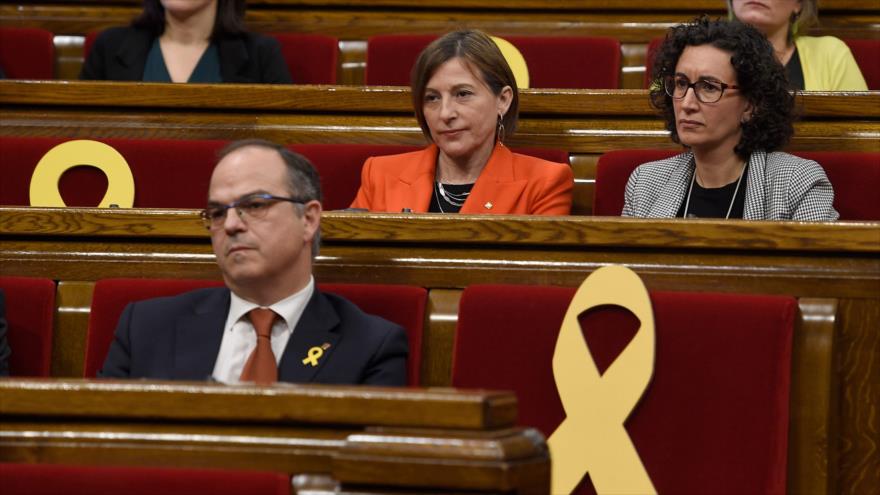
<point>311,58</point>
<point>613,170</point>
<point>168,173</point>
<point>32,479</point>
<point>714,418</point>
<point>554,62</point>
<point>27,53</point>
<point>401,304</point>
<point>339,166</point>
<point>404,305</point>
<point>30,312</point>
<point>650,54</point>
<point>867,55</point>
<point>110,298</point>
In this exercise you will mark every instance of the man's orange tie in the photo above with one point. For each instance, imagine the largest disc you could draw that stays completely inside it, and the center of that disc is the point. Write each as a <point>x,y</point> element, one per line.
<point>260,367</point>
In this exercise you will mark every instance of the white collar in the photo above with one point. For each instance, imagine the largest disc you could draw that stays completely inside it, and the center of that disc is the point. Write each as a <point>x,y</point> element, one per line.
<point>290,308</point>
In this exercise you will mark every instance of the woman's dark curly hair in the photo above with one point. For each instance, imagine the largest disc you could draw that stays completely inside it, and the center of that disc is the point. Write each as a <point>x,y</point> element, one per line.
<point>760,77</point>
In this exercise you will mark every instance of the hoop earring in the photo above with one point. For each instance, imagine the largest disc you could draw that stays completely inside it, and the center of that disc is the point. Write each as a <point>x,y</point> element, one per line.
<point>500,132</point>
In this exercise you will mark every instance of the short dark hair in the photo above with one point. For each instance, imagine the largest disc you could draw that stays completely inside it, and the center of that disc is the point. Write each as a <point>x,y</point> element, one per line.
<point>303,181</point>
<point>229,22</point>
<point>760,77</point>
<point>481,54</point>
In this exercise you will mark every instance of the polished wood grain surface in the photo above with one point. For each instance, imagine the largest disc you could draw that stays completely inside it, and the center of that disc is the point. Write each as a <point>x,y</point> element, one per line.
<point>303,404</point>
<point>370,99</point>
<point>418,439</point>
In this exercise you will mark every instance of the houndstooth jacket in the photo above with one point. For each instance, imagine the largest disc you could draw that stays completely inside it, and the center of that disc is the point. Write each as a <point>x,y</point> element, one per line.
<point>780,187</point>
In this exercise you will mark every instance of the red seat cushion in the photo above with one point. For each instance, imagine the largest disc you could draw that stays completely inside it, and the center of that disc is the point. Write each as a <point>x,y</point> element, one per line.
<point>44,479</point>
<point>27,53</point>
<point>30,312</point>
<point>311,58</point>
<point>553,61</point>
<point>714,418</point>
<point>404,305</point>
<point>867,55</point>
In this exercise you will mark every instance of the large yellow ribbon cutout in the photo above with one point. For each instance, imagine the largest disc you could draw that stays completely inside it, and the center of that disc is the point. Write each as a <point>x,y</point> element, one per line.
<point>592,438</point>
<point>61,158</point>
<point>515,61</point>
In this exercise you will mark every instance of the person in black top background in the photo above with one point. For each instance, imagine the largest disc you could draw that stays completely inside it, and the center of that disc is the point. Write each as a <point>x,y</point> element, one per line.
<point>187,41</point>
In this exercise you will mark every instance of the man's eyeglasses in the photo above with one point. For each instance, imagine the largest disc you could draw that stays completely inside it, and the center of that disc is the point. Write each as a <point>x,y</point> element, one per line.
<point>251,206</point>
<point>705,91</point>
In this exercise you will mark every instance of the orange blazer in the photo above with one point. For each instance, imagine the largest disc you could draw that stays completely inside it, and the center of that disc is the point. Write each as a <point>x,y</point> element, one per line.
<point>510,183</point>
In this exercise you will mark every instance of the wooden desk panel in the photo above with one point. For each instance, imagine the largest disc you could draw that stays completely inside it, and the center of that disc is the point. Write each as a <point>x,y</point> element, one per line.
<point>427,439</point>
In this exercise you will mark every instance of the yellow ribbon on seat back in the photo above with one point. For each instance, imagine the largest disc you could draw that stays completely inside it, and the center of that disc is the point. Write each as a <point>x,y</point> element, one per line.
<point>44,181</point>
<point>515,60</point>
<point>592,437</point>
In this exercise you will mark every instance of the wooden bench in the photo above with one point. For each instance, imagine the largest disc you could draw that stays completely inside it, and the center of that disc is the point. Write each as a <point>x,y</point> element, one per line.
<point>583,122</point>
<point>633,23</point>
<point>328,437</point>
<point>834,270</point>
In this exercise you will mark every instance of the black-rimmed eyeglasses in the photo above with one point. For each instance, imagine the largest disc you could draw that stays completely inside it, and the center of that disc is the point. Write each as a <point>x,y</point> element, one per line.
<point>251,206</point>
<point>706,91</point>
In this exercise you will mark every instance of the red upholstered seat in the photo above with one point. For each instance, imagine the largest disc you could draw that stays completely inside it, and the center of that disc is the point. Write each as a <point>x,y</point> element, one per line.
<point>404,305</point>
<point>854,175</point>
<point>867,55</point>
<point>401,304</point>
<point>714,418</point>
<point>613,170</point>
<point>339,166</point>
<point>44,479</point>
<point>650,53</point>
<point>553,61</point>
<point>27,53</point>
<point>110,298</point>
<point>30,312</point>
<point>167,173</point>
<point>311,58</point>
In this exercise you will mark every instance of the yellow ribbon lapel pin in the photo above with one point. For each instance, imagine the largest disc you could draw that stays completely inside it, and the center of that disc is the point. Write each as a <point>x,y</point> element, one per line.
<point>315,354</point>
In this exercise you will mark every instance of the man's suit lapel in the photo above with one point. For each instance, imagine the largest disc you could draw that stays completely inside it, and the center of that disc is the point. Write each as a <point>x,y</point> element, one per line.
<point>496,188</point>
<point>198,336</point>
<point>315,329</point>
<point>415,185</point>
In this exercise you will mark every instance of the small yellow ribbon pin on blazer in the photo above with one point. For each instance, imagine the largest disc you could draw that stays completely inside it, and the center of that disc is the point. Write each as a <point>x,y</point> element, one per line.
<point>592,437</point>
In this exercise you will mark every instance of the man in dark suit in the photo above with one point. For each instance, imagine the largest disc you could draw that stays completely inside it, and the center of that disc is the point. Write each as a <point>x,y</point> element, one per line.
<point>270,323</point>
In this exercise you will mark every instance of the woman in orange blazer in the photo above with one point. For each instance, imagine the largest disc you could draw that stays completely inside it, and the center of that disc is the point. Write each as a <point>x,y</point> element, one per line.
<point>465,99</point>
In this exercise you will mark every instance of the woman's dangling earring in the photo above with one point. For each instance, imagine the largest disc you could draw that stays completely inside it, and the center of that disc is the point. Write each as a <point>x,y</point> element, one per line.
<point>500,132</point>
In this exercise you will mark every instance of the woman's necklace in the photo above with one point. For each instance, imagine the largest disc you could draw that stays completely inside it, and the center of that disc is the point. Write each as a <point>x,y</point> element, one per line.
<point>736,190</point>
<point>454,199</point>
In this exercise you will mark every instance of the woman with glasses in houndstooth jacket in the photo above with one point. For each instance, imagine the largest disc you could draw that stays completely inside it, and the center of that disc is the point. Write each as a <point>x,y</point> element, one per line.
<point>725,97</point>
